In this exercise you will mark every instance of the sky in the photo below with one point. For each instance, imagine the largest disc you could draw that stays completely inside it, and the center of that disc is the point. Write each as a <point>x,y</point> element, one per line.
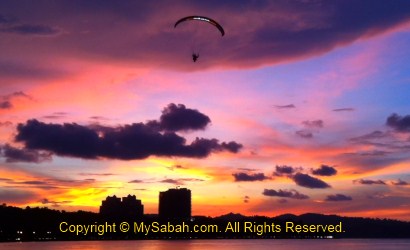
<point>302,106</point>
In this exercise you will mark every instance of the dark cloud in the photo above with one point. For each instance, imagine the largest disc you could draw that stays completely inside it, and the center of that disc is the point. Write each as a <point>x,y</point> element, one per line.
<point>285,193</point>
<point>6,100</point>
<point>136,181</point>
<point>25,70</point>
<point>5,105</point>
<point>28,29</point>
<point>289,106</point>
<point>55,115</point>
<point>178,117</point>
<point>12,195</point>
<point>321,26</point>
<point>33,182</point>
<point>246,199</point>
<point>324,171</point>
<point>249,177</point>
<point>172,168</point>
<point>313,124</point>
<point>99,118</point>
<point>369,182</point>
<point>308,181</point>
<point>304,134</point>
<point>13,154</point>
<point>373,153</point>
<point>399,123</point>
<point>370,160</point>
<point>96,174</point>
<point>172,181</point>
<point>50,183</point>
<point>400,183</point>
<point>180,181</point>
<point>248,169</point>
<point>135,141</point>
<point>12,25</point>
<point>3,19</point>
<point>231,146</point>
<point>338,197</point>
<point>369,137</point>
<point>46,201</point>
<point>284,170</point>
<point>343,109</point>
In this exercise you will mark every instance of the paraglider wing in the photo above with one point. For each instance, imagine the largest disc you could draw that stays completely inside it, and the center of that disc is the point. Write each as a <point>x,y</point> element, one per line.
<point>201,18</point>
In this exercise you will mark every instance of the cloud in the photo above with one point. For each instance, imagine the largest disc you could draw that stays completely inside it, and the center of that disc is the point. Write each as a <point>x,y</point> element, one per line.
<point>399,183</point>
<point>178,117</point>
<point>5,105</point>
<point>13,154</point>
<point>136,181</point>
<point>399,123</point>
<point>98,118</point>
<point>56,115</point>
<point>304,134</point>
<point>343,109</point>
<point>180,181</point>
<point>11,195</point>
<point>172,168</point>
<point>134,141</point>
<point>172,181</point>
<point>96,174</point>
<point>285,193</point>
<point>28,29</point>
<point>26,70</point>
<point>320,26</point>
<point>46,201</point>
<point>313,124</point>
<point>324,171</point>
<point>47,183</point>
<point>249,177</point>
<point>369,182</point>
<point>308,181</point>
<point>246,199</point>
<point>289,106</point>
<point>6,100</point>
<point>370,136</point>
<point>338,197</point>
<point>248,169</point>
<point>9,25</point>
<point>284,170</point>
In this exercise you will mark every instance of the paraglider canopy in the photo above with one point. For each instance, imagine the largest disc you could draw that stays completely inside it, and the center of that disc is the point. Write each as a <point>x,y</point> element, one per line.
<point>201,18</point>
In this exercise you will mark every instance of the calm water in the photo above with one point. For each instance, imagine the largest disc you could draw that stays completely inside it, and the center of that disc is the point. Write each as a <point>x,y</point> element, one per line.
<point>213,245</point>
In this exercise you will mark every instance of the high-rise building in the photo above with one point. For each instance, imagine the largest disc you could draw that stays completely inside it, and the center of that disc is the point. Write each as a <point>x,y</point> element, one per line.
<point>175,204</point>
<point>128,207</point>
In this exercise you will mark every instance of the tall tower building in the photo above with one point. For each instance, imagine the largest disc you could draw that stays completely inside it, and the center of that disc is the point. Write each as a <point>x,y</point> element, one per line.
<point>175,204</point>
<point>127,208</point>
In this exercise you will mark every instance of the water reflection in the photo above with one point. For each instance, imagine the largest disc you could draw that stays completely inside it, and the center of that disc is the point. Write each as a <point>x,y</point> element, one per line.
<point>351,244</point>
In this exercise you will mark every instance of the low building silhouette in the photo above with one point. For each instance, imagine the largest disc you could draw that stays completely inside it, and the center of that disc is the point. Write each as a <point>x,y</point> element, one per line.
<point>127,208</point>
<point>175,204</point>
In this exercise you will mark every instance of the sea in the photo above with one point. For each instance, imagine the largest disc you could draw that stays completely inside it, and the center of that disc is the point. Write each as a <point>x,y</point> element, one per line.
<point>260,244</point>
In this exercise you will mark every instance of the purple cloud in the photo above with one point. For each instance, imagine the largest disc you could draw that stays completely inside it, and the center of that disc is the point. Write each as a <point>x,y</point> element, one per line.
<point>285,193</point>
<point>338,197</point>
<point>249,177</point>
<point>370,182</point>
<point>324,170</point>
<point>308,181</point>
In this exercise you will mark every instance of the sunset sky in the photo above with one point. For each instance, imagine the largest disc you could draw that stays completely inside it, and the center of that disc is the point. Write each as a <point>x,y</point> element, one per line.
<point>303,106</point>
